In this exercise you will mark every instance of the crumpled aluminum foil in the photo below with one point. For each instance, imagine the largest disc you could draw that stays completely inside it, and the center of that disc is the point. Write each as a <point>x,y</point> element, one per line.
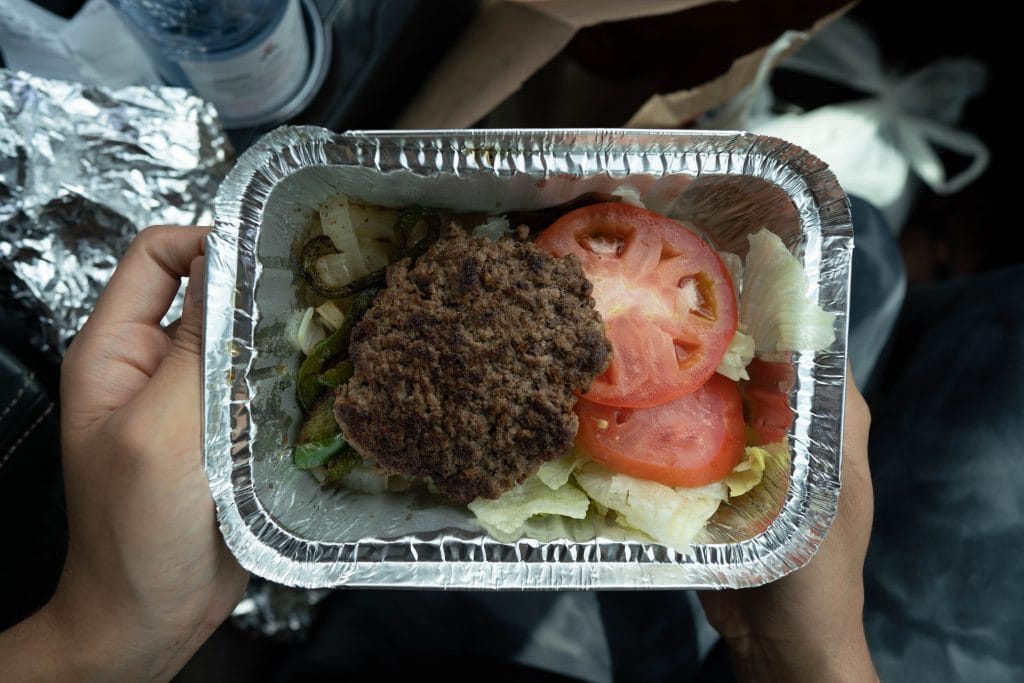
<point>82,170</point>
<point>276,611</point>
<point>283,527</point>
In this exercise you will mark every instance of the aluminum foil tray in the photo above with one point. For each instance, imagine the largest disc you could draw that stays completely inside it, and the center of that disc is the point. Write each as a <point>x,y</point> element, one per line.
<point>282,526</point>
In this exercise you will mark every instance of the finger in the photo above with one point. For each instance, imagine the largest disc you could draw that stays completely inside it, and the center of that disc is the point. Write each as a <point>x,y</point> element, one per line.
<point>188,335</point>
<point>149,275</point>
<point>176,387</point>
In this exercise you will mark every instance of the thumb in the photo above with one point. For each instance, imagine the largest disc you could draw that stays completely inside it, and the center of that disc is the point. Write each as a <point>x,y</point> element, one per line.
<point>188,338</point>
<point>178,377</point>
<point>176,387</point>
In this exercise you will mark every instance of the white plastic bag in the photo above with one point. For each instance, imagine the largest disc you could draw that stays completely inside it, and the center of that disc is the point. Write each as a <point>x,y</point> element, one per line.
<point>875,143</point>
<point>93,47</point>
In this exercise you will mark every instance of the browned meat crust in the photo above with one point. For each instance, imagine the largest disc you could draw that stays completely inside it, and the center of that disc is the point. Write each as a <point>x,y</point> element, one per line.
<point>466,365</point>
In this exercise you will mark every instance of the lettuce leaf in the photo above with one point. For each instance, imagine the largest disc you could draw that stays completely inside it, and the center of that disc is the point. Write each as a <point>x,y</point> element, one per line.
<point>533,497</point>
<point>749,472</point>
<point>673,516</point>
<point>734,265</point>
<point>547,528</point>
<point>556,473</point>
<point>737,357</point>
<point>775,306</point>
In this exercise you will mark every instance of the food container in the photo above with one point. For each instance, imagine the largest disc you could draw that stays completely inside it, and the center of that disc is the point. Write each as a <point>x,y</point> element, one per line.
<point>282,526</point>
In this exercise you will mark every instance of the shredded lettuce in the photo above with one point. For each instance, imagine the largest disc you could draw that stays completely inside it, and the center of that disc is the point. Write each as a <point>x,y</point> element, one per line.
<point>533,497</point>
<point>737,356</point>
<point>673,516</point>
<point>556,473</point>
<point>546,528</point>
<point>750,471</point>
<point>775,306</point>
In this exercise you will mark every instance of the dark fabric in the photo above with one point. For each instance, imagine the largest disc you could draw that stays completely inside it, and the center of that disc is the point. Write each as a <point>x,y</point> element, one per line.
<point>945,596</point>
<point>454,636</point>
<point>33,525</point>
<point>877,289</point>
<point>468,635</point>
<point>651,636</point>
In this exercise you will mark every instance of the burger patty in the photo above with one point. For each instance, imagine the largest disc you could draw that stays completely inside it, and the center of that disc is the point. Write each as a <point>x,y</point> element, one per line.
<point>467,364</point>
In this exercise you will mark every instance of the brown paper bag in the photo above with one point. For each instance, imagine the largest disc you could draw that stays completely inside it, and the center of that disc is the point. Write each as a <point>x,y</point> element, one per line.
<point>510,40</point>
<point>504,45</point>
<point>679,109</point>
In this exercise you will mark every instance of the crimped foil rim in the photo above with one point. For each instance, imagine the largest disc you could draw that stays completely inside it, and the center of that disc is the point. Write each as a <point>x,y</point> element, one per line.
<point>458,559</point>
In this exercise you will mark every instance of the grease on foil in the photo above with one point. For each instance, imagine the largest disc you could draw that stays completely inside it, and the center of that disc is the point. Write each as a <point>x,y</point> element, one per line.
<point>82,170</point>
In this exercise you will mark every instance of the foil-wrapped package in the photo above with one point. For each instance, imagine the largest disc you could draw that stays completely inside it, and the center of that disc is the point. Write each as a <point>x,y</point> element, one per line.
<point>82,170</point>
<point>282,526</point>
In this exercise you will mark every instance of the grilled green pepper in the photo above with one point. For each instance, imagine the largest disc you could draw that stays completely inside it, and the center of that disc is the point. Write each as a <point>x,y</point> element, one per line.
<point>306,456</point>
<point>308,386</point>
<point>319,246</point>
<point>341,465</point>
<point>321,442</point>
<point>336,376</point>
<point>415,243</point>
<point>320,424</point>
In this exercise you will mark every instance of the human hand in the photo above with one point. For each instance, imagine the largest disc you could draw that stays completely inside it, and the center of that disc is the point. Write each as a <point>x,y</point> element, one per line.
<point>808,626</point>
<point>148,577</point>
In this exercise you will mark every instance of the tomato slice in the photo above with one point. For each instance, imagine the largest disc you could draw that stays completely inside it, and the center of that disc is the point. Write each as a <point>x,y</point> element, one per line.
<point>766,400</point>
<point>665,296</point>
<point>691,441</point>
